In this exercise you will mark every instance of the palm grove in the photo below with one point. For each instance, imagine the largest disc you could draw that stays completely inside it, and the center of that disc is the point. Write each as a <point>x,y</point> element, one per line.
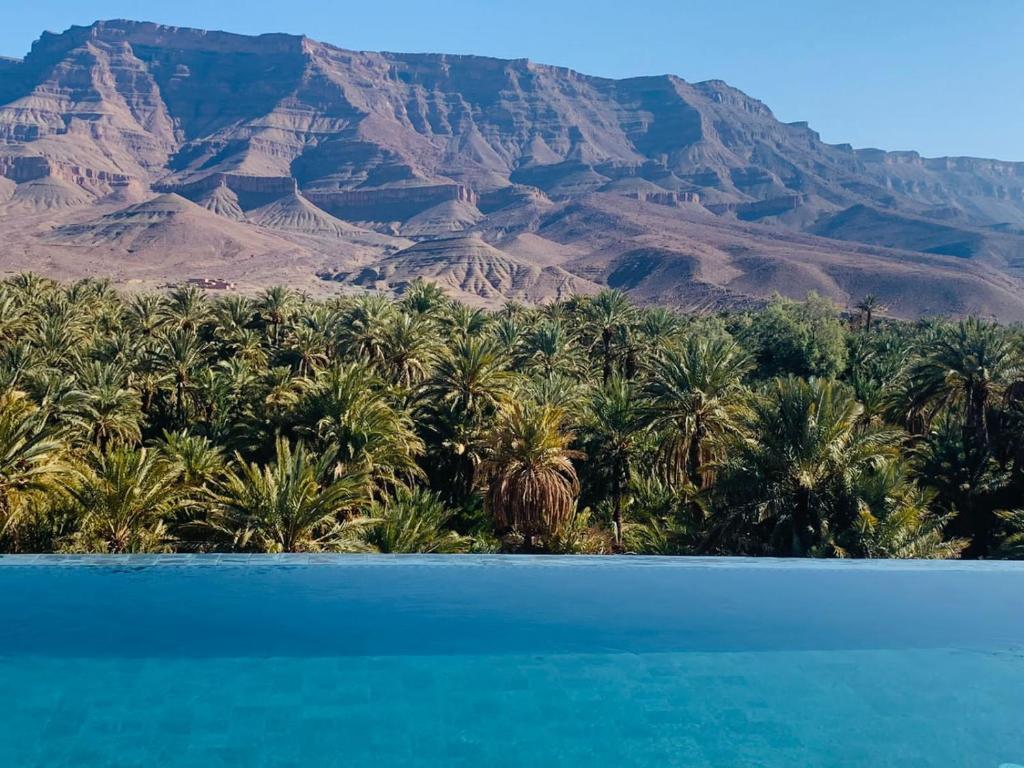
<point>181,422</point>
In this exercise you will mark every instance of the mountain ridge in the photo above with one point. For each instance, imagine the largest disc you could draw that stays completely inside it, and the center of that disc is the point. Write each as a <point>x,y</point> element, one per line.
<point>428,146</point>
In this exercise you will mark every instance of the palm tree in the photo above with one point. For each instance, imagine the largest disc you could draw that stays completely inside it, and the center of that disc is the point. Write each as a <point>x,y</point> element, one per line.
<point>308,348</point>
<point>609,311</point>
<point>126,497</point>
<point>868,306</point>
<point>199,459</point>
<point>793,485</point>
<point>346,410</point>
<point>31,460</point>
<point>895,519</point>
<point>276,306</point>
<point>187,308</point>
<point>180,355</point>
<point>409,349</point>
<point>468,386</point>
<point>424,298</point>
<point>360,334</point>
<point>412,521</point>
<point>110,411</point>
<point>550,348</point>
<point>531,482</point>
<point>294,504</point>
<point>146,314</point>
<point>697,398</point>
<point>1011,547</point>
<point>967,365</point>
<point>611,432</point>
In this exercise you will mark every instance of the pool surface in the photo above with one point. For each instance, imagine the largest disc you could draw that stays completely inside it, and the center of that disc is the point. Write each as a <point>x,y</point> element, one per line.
<point>508,661</point>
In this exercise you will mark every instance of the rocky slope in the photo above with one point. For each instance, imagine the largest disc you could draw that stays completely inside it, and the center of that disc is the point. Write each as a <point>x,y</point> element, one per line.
<point>288,158</point>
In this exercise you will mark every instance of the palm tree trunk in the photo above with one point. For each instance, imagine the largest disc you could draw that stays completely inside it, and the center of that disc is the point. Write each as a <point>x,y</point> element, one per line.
<point>617,509</point>
<point>977,423</point>
<point>801,521</point>
<point>606,343</point>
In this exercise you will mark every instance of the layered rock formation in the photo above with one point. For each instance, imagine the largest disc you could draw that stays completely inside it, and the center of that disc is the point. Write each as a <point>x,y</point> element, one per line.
<point>334,161</point>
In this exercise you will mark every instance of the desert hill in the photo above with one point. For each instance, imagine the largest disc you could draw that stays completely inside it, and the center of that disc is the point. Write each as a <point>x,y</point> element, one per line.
<point>500,178</point>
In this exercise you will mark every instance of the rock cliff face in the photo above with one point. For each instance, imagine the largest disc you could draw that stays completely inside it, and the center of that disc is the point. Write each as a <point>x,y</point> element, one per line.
<point>307,145</point>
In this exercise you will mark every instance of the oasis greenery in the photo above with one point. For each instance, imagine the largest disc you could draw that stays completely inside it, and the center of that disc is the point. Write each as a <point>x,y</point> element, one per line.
<point>182,422</point>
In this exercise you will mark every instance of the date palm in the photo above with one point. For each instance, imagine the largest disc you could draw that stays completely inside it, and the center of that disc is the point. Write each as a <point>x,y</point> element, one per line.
<point>424,298</point>
<point>346,409</point>
<point>468,386</point>
<point>531,482</point>
<point>895,519</point>
<point>295,503</point>
<point>31,459</point>
<point>360,333</point>
<point>180,355</point>
<point>409,349</point>
<point>111,410</point>
<point>187,308</point>
<point>794,486</point>
<point>868,306</point>
<point>697,399</point>
<point>146,314</point>
<point>608,312</point>
<point>276,306</point>
<point>611,431</point>
<point>967,366</point>
<point>412,521</point>
<point>551,348</point>
<point>126,498</point>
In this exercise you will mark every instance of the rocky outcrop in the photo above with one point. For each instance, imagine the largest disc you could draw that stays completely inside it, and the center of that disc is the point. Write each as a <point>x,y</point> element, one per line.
<point>759,209</point>
<point>388,203</point>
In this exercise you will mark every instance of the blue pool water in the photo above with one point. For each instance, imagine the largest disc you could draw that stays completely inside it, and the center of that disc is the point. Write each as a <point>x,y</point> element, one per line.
<point>478,661</point>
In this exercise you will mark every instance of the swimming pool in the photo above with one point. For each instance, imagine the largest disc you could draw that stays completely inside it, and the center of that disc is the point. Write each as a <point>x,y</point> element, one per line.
<point>508,661</point>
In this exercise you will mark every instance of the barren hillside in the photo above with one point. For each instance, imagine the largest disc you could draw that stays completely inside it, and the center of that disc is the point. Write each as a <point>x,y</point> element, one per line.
<point>158,154</point>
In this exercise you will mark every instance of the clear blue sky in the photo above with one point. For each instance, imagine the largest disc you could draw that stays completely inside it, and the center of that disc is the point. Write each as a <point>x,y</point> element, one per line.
<point>939,76</point>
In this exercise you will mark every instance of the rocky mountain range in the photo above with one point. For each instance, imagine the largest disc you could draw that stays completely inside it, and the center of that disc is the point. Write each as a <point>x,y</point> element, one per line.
<point>155,155</point>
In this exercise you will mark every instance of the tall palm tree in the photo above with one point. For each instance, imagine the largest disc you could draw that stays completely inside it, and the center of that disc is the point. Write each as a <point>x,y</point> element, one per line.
<point>468,386</point>
<point>868,306</point>
<point>296,503</point>
<point>531,482</point>
<point>424,298</point>
<point>187,308</point>
<point>609,311</point>
<point>360,333</point>
<point>275,306</point>
<point>967,365</point>
<point>611,432</point>
<point>345,409</point>
<point>180,355</point>
<point>409,349</point>
<point>895,519</point>
<point>551,348</point>
<point>126,498</point>
<point>110,411</point>
<point>791,486</point>
<point>146,314</point>
<point>696,396</point>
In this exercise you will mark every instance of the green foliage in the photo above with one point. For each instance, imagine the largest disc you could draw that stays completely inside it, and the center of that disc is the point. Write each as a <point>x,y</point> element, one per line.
<point>412,521</point>
<point>796,338</point>
<point>194,422</point>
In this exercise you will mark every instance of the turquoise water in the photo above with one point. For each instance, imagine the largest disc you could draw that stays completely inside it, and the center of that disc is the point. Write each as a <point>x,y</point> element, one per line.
<point>509,662</point>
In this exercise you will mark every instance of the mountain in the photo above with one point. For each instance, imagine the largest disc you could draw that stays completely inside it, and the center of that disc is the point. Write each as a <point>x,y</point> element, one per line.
<point>305,163</point>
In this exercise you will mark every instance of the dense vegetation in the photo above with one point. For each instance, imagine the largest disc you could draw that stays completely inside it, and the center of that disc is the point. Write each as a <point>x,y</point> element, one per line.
<point>152,423</point>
